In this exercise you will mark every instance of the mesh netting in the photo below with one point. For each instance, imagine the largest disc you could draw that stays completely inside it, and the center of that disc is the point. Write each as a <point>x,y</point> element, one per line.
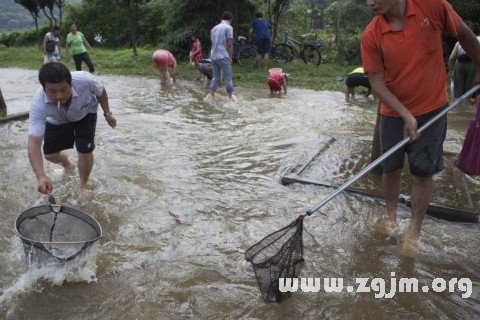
<point>56,233</point>
<point>278,255</point>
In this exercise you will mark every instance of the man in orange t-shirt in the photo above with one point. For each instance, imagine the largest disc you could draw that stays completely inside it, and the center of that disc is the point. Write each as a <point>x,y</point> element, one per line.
<point>403,58</point>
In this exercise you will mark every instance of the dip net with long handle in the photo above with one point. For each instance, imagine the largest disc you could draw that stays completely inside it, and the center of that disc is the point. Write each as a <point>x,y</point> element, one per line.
<point>280,254</point>
<point>56,233</point>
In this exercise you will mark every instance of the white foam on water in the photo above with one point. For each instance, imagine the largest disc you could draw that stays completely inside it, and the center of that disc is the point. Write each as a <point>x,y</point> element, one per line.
<point>80,269</point>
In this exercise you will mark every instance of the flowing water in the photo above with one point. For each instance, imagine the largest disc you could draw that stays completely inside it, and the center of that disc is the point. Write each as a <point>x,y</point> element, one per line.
<point>183,187</point>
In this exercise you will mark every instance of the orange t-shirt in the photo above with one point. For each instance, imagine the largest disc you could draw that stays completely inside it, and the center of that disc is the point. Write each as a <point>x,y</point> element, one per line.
<point>411,59</point>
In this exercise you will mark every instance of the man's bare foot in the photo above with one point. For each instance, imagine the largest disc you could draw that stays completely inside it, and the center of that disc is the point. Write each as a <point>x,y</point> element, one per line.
<point>385,227</point>
<point>410,243</point>
<point>68,170</point>
<point>83,193</point>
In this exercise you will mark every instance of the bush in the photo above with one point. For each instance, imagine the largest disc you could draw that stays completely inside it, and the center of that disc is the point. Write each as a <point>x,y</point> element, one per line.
<point>24,38</point>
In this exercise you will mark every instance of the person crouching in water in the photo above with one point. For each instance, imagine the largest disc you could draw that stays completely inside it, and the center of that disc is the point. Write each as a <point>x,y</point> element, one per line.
<point>165,62</point>
<point>354,79</point>
<point>276,81</point>
<point>204,66</point>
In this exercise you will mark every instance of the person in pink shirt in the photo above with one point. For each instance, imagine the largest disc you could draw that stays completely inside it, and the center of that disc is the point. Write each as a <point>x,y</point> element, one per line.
<point>276,81</point>
<point>165,62</point>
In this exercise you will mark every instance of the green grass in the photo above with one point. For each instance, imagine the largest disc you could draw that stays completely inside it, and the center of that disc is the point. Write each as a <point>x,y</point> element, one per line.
<point>122,62</point>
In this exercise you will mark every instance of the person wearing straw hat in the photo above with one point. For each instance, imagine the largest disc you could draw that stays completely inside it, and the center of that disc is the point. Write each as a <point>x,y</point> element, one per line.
<point>402,55</point>
<point>277,80</point>
<point>63,113</point>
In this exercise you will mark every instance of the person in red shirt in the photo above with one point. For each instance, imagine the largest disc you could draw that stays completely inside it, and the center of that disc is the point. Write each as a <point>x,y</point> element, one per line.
<point>276,81</point>
<point>402,55</point>
<point>165,61</point>
<point>195,54</point>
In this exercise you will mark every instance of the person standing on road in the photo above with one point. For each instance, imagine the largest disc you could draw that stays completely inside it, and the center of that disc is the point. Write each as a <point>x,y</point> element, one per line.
<point>76,43</point>
<point>51,45</point>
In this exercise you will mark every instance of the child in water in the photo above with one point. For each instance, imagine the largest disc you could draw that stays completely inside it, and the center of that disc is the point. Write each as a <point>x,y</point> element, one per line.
<point>276,81</point>
<point>204,66</point>
<point>196,54</point>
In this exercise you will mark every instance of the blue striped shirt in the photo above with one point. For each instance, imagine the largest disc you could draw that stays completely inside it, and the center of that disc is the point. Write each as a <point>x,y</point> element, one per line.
<point>85,90</point>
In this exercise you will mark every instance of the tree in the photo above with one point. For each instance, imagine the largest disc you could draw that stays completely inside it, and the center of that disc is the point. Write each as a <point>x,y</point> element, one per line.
<point>469,10</point>
<point>347,19</point>
<point>184,16</point>
<point>133,7</point>
<point>275,9</point>
<point>32,7</point>
<point>60,5</point>
<point>48,4</point>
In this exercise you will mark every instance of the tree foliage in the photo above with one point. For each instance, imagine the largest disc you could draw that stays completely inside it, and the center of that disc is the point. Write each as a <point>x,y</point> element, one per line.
<point>183,16</point>
<point>468,9</point>
<point>32,7</point>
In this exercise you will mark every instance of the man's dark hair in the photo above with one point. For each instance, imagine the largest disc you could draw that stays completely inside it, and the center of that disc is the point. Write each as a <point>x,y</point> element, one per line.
<point>258,15</point>
<point>54,72</point>
<point>56,28</point>
<point>227,15</point>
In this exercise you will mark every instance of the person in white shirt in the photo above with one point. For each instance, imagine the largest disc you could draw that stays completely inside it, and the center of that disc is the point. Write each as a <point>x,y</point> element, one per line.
<point>221,54</point>
<point>51,45</point>
<point>63,113</point>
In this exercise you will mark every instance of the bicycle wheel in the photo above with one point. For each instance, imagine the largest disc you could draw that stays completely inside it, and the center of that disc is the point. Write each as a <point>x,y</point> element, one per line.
<point>310,55</point>
<point>277,56</point>
<point>247,56</point>
<point>285,50</point>
<point>236,51</point>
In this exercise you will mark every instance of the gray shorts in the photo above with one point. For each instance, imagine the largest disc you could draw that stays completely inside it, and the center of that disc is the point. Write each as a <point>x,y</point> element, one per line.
<point>425,155</point>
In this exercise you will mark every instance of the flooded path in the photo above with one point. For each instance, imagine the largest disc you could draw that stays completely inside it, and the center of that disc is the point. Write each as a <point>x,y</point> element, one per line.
<point>182,188</point>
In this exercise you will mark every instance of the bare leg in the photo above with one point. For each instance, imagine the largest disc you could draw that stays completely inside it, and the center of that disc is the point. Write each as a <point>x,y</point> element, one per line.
<point>85,165</point>
<point>422,190</point>
<point>391,192</point>
<point>61,158</point>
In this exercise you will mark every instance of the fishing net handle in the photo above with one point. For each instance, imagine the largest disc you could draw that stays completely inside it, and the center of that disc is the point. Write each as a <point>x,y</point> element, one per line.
<point>395,148</point>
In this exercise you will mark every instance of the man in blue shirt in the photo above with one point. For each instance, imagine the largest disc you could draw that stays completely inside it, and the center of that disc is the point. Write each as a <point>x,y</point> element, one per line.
<point>261,28</point>
<point>221,54</point>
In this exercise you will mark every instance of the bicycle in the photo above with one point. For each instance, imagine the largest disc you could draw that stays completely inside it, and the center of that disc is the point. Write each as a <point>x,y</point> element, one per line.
<point>309,51</point>
<point>247,53</point>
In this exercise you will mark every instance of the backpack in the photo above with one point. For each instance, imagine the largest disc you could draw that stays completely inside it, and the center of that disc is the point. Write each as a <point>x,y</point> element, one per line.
<point>50,45</point>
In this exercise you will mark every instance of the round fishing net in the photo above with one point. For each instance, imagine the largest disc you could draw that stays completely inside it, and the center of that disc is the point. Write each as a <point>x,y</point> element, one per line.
<point>278,255</point>
<point>56,233</point>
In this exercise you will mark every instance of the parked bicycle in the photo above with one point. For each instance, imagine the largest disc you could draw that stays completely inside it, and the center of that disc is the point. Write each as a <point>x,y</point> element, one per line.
<point>245,53</point>
<point>309,51</point>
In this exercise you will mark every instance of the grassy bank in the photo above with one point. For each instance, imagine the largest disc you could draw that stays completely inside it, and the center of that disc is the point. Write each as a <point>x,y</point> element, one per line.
<point>122,62</point>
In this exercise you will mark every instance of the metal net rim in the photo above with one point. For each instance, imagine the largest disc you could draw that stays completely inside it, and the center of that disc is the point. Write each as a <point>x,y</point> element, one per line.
<point>44,209</point>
